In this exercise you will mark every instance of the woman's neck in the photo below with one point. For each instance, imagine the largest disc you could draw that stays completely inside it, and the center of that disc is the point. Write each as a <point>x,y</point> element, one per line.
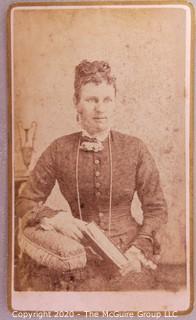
<point>101,136</point>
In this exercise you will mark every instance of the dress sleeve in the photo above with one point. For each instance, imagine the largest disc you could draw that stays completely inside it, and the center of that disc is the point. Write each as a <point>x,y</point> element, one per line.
<point>152,200</point>
<point>30,202</point>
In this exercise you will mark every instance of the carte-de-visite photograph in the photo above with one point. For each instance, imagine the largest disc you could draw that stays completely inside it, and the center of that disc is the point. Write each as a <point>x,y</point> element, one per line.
<point>101,142</point>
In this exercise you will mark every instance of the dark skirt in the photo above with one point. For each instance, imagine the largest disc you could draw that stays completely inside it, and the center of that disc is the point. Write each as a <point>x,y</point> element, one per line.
<point>96,276</point>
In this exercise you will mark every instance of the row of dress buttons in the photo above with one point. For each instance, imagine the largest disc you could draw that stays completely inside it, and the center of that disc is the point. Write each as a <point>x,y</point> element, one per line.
<point>101,214</point>
<point>97,184</point>
<point>101,222</point>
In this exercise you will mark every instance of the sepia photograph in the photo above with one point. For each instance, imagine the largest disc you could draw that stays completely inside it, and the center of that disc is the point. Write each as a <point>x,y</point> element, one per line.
<point>101,139</point>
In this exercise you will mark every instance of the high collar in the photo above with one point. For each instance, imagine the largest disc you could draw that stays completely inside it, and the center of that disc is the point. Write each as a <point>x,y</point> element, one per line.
<point>101,136</point>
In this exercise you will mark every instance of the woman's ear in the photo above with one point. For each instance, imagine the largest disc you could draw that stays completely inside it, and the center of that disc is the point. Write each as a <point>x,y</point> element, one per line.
<point>77,105</point>
<point>74,100</point>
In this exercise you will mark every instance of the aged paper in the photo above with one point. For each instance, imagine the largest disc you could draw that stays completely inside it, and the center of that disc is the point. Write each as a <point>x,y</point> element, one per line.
<point>148,47</point>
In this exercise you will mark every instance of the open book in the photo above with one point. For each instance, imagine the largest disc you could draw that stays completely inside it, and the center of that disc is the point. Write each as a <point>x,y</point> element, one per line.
<point>102,245</point>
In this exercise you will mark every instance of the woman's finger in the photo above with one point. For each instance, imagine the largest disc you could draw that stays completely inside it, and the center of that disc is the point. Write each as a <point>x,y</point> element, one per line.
<point>71,231</point>
<point>77,232</point>
<point>131,267</point>
<point>80,224</point>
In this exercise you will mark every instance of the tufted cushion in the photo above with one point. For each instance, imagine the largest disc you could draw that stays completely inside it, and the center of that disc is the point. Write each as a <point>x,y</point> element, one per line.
<point>52,249</point>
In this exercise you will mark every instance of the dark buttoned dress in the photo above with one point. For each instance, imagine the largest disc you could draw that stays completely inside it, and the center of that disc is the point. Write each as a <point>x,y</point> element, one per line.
<point>133,170</point>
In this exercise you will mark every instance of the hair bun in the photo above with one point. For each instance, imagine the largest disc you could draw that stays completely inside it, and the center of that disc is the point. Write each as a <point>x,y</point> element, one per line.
<point>87,68</point>
<point>95,71</point>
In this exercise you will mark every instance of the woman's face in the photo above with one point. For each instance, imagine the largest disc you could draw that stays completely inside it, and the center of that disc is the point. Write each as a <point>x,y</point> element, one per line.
<point>96,106</point>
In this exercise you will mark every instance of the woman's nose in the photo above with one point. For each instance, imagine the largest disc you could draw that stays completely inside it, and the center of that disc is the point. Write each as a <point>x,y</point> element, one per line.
<point>99,107</point>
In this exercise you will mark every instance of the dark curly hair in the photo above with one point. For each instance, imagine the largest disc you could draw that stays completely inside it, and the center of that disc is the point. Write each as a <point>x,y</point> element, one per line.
<point>96,72</point>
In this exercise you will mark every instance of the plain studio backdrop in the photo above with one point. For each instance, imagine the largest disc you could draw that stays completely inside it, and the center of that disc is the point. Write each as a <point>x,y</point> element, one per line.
<point>146,50</point>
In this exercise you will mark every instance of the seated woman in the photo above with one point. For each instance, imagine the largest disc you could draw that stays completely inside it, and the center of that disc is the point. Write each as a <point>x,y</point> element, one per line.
<point>98,171</point>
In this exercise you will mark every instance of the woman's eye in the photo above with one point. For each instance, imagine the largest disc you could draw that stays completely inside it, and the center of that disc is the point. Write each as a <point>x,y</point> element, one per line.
<point>108,99</point>
<point>92,99</point>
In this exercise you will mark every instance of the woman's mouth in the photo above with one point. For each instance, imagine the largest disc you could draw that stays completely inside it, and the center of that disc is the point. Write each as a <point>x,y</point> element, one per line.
<point>99,118</point>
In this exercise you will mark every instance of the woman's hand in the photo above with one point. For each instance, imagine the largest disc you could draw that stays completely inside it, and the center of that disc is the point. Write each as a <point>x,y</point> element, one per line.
<point>137,259</point>
<point>66,224</point>
<point>133,265</point>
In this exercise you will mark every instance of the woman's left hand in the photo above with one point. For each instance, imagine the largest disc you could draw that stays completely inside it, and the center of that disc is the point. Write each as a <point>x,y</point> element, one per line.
<point>133,265</point>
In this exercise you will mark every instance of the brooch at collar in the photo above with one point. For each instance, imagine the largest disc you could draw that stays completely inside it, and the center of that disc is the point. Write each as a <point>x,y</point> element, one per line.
<point>94,146</point>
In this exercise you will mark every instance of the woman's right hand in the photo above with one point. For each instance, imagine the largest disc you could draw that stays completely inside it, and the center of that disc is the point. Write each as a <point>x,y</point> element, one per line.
<point>66,224</point>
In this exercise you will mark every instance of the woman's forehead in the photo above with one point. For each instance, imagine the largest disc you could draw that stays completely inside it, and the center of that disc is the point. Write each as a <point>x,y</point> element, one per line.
<point>97,89</point>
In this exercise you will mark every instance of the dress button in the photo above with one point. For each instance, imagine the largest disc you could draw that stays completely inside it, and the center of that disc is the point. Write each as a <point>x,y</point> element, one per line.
<point>97,173</point>
<point>97,161</point>
<point>97,185</point>
<point>98,194</point>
